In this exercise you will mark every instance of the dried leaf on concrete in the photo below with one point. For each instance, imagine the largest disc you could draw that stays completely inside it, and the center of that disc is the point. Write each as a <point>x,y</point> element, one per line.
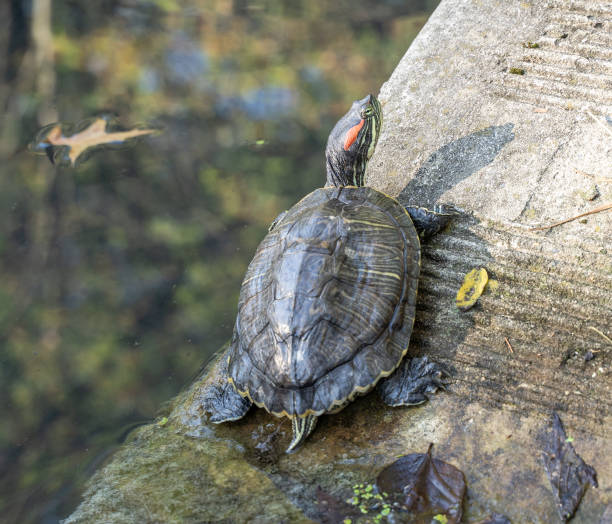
<point>424,487</point>
<point>568,474</point>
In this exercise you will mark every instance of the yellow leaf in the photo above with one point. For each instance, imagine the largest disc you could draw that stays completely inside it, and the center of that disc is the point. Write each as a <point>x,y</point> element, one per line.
<point>473,284</point>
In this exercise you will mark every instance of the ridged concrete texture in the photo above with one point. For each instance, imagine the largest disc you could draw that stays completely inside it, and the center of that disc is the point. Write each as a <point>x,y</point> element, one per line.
<point>505,110</point>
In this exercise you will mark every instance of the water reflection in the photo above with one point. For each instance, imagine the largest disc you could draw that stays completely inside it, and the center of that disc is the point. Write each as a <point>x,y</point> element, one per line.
<point>121,275</point>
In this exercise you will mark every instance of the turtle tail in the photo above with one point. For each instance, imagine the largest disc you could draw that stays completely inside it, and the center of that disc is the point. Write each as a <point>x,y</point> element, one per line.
<point>302,427</point>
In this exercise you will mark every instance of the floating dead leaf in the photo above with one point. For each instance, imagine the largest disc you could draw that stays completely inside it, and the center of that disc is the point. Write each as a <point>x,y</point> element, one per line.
<point>473,285</point>
<point>568,474</point>
<point>424,486</point>
<point>89,134</point>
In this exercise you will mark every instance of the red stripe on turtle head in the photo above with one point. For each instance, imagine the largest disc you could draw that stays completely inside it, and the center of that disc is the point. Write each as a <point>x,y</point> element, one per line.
<point>351,135</point>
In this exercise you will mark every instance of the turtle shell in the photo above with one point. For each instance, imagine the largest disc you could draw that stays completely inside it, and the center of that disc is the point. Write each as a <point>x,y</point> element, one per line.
<point>327,304</point>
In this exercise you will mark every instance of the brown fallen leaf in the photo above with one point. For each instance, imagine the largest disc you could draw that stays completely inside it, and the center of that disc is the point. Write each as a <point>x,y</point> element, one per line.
<point>568,474</point>
<point>599,209</point>
<point>95,134</point>
<point>424,486</point>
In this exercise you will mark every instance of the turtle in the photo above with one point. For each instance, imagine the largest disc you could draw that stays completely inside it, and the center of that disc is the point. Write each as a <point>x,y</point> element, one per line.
<point>327,305</point>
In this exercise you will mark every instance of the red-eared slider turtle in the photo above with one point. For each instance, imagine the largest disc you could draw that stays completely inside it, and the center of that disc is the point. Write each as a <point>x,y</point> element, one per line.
<point>327,304</point>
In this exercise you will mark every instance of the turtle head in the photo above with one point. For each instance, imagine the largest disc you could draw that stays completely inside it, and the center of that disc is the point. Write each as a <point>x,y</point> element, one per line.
<point>351,143</point>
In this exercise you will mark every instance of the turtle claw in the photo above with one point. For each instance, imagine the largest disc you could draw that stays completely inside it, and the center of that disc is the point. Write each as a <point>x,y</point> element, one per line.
<point>412,383</point>
<point>448,209</point>
<point>224,403</point>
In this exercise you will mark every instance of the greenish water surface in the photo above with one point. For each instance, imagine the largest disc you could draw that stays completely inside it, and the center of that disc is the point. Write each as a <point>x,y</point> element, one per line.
<point>120,275</point>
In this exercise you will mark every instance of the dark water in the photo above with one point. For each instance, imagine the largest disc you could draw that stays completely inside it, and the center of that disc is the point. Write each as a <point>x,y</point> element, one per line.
<point>120,276</point>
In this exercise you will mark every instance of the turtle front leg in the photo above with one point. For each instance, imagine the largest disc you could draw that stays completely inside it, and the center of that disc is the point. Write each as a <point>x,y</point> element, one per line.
<point>428,223</point>
<point>412,382</point>
<point>222,400</point>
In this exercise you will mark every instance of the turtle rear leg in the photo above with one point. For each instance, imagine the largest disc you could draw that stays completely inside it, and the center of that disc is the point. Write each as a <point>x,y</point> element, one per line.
<point>428,223</point>
<point>302,427</point>
<point>412,382</point>
<point>224,403</point>
<point>222,400</point>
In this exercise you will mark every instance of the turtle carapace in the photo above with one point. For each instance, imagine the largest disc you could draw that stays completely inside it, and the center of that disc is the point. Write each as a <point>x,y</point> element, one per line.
<point>327,304</point>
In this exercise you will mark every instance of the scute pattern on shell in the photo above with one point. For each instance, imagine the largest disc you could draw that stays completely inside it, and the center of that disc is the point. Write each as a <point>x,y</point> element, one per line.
<point>327,304</point>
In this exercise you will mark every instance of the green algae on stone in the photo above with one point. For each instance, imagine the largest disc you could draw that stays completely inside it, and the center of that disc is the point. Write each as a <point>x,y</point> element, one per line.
<point>167,476</point>
<point>370,502</point>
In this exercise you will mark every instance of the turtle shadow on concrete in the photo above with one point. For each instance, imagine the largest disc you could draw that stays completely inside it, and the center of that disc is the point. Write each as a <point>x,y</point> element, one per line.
<point>444,169</point>
<point>454,162</point>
